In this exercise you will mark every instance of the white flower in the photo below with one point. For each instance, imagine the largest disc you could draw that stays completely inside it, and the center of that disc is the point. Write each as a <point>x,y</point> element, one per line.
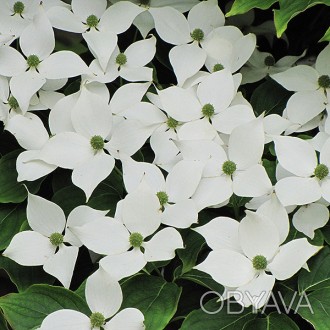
<point>104,298</point>
<point>44,245</point>
<point>240,172</point>
<point>312,87</point>
<point>310,217</point>
<point>174,193</point>
<point>145,22</point>
<point>31,134</point>
<point>121,239</point>
<point>202,19</point>
<point>308,180</point>
<point>130,64</point>
<point>262,64</point>
<point>227,47</point>
<point>244,253</point>
<point>37,43</point>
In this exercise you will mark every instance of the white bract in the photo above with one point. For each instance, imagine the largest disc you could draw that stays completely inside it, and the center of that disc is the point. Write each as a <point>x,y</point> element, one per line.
<point>308,180</point>
<point>45,243</point>
<point>262,64</point>
<point>312,87</point>
<point>244,253</point>
<point>178,209</point>
<point>124,239</point>
<point>104,298</point>
<point>29,74</point>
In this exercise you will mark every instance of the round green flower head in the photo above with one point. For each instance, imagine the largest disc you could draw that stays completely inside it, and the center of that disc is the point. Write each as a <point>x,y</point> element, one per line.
<point>92,21</point>
<point>259,262</point>
<point>121,59</point>
<point>172,123</point>
<point>136,240</point>
<point>208,110</point>
<point>197,35</point>
<point>56,239</point>
<point>163,197</point>
<point>13,104</point>
<point>324,81</point>
<point>269,60</point>
<point>321,171</point>
<point>97,320</point>
<point>18,7</point>
<point>218,67</point>
<point>97,142</point>
<point>228,167</point>
<point>33,61</point>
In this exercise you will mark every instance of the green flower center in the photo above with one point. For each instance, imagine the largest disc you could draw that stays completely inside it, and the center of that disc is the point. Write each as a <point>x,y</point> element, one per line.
<point>324,81</point>
<point>208,110</point>
<point>92,21</point>
<point>172,123</point>
<point>97,320</point>
<point>136,240</point>
<point>259,262</point>
<point>218,67</point>
<point>321,171</point>
<point>97,142</point>
<point>18,7</point>
<point>33,61</point>
<point>144,2</point>
<point>228,167</point>
<point>269,60</point>
<point>121,59</point>
<point>163,197</point>
<point>197,35</point>
<point>56,239</point>
<point>13,104</point>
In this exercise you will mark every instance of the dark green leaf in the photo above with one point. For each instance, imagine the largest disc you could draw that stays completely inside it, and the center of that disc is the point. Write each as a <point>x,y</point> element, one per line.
<point>203,279</point>
<point>273,321</point>
<point>289,9</point>
<point>221,319</point>
<point>154,297</point>
<point>69,198</point>
<point>22,276</point>
<point>12,191</point>
<point>243,6</point>
<point>319,274</point>
<point>318,315</point>
<point>270,97</point>
<point>193,243</point>
<point>26,310</point>
<point>11,220</point>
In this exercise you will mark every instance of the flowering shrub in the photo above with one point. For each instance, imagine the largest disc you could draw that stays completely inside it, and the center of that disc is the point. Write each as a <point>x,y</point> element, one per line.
<point>164,165</point>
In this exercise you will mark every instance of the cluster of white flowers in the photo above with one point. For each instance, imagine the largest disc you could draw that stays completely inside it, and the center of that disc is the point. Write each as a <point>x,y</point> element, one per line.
<point>204,135</point>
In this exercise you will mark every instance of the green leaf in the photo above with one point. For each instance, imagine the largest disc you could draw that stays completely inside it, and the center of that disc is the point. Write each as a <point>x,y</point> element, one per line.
<point>12,191</point>
<point>3,324</point>
<point>222,320</point>
<point>243,6</point>
<point>289,9</point>
<point>154,297</point>
<point>69,198</point>
<point>203,279</point>
<point>26,310</point>
<point>319,275</point>
<point>270,166</point>
<point>193,243</point>
<point>326,36</point>
<point>269,97</point>
<point>23,277</point>
<point>320,304</point>
<point>273,321</point>
<point>11,220</point>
